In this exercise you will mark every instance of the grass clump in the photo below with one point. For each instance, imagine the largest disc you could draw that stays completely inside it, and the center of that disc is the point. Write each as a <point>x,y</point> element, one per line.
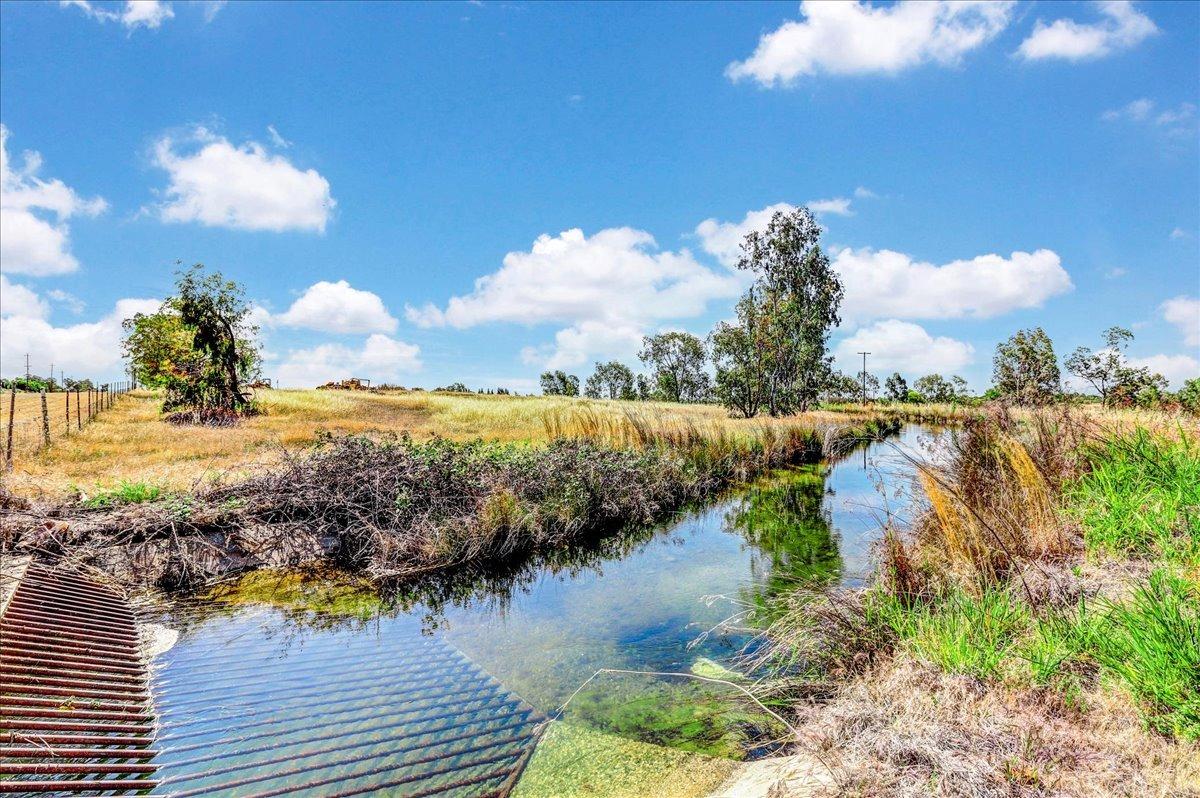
<point>1141,497</point>
<point>968,634</point>
<point>1057,648</point>
<point>1152,642</point>
<point>126,492</point>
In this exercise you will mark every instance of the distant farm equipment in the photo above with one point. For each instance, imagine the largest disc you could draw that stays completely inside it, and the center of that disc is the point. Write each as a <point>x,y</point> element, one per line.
<point>351,384</point>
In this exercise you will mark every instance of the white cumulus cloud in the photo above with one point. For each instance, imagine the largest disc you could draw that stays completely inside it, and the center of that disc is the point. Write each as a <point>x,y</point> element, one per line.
<point>577,344</point>
<point>1180,121</point>
<point>17,300</point>
<point>887,284</point>
<point>90,349</point>
<point>1184,313</point>
<point>1122,26</point>
<point>884,283</point>
<point>849,38</point>
<point>338,308</point>
<point>905,347</point>
<point>134,14</point>
<point>607,288</point>
<point>380,359</point>
<point>34,236</point>
<point>1136,110</point>
<point>218,184</point>
<point>837,206</point>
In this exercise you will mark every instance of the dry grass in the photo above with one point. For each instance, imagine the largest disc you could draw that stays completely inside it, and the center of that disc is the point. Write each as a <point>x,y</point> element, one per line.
<point>133,443</point>
<point>906,729</point>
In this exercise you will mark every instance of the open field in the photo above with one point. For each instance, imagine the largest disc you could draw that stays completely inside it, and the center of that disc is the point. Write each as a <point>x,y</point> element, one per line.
<point>132,443</point>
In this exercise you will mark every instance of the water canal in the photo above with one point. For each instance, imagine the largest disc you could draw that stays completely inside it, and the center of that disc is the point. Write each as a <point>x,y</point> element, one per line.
<point>289,687</point>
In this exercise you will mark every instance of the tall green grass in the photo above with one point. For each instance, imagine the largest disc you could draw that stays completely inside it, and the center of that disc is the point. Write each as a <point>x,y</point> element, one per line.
<point>973,635</point>
<point>1152,642</point>
<point>1141,497</point>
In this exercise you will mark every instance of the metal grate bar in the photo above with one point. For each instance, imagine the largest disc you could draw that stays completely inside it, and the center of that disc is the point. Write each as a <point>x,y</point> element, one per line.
<point>72,685</point>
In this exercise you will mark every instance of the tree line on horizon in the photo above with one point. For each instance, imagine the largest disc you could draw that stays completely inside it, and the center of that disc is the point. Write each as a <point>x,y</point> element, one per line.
<point>200,347</point>
<point>774,359</point>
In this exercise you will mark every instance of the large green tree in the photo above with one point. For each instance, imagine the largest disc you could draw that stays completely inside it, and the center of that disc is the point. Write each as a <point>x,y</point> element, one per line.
<point>739,384</point>
<point>795,298</point>
<point>611,380</point>
<point>1025,369</point>
<point>1109,372</point>
<point>676,361</point>
<point>200,346</point>
<point>841,387</point>
<point>936,388</point>
<point>559,383</point>
<point>895,388</point>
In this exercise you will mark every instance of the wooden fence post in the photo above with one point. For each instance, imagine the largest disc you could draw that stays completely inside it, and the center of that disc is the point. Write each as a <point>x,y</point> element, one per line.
<point>78,423</point>
<point>68,393</point>
<point>12,409</point>
<point>89,403</point>
<point>45,421</point>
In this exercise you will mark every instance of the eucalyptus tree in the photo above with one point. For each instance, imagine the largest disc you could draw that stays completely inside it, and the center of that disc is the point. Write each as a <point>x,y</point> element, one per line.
<point>1108,371</point>
<point>559,383</point>
<point>676,361</point>
<point>739,382</point>
<point>611,380</point>
<point>840,387</point>
<point>1025,369</point>
<point>200,346</point>
<point>868,385</point>
<point>936,388</point>
<point>895,388</point>
<point>794,302</point>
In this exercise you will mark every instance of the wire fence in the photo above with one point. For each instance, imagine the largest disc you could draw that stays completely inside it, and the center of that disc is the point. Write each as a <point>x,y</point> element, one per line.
<point>33,420</point>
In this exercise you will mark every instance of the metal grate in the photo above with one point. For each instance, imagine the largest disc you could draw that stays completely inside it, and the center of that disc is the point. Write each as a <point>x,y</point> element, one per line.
<point>251,705</point>
<point>75,714</point>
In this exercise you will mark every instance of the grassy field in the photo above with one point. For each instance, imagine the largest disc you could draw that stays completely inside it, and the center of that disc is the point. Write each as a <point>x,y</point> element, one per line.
<point>132,443</point>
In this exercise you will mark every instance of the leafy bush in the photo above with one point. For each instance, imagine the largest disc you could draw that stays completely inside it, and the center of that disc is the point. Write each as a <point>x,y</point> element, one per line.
<point>125,493</point>
<point>34,384</point>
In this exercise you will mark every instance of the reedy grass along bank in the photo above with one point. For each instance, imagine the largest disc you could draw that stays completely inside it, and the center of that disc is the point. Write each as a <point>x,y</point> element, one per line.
<point>1052,566</point>
<point>394,507</point>
<point>133,442</point>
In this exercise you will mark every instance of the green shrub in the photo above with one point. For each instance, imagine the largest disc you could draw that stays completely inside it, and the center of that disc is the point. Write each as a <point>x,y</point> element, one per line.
<point>1152,643</point>
<point>1141,496</point>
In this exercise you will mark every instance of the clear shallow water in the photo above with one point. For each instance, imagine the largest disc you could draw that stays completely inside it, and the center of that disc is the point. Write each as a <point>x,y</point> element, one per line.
<point>260,700</point>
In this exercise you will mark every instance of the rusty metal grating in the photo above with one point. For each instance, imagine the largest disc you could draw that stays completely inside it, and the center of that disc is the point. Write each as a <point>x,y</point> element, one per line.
<point>75,715</point>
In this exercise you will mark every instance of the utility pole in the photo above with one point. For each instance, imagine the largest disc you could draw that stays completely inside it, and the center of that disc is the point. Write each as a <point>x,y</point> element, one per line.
<point>864,376</point>
<point>26,365</point>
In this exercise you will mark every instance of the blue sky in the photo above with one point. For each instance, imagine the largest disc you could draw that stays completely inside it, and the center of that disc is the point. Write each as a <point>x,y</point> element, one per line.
<point>423,193</point>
